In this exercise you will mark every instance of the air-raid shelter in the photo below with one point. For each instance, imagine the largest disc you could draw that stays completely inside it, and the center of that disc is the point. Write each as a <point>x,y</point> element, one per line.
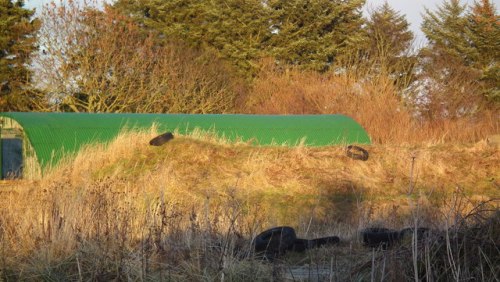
<point>32,142</point>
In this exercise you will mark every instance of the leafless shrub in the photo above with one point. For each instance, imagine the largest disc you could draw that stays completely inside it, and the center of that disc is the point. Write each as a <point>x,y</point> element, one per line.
<point>100,61</point>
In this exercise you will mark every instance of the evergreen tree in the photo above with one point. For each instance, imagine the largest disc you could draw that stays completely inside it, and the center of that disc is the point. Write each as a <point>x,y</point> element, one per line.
<point>449,80</point>
<point>309,33</point>
<point>237,29</point>
<point>17,41</point>
<point>460,64</point>
<point>176,19</point>
<point>315,33</point>
<point>446,31</point>
<point>484,33</point>
<point>389,43</point>
<point>388,32</point>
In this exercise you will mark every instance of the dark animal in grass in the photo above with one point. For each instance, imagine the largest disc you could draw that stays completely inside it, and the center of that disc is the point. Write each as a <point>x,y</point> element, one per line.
<point>161,139</point>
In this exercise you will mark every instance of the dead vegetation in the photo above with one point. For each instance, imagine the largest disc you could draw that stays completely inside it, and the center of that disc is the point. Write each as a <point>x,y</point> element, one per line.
<point>188,210</point>
<point>386,112</point>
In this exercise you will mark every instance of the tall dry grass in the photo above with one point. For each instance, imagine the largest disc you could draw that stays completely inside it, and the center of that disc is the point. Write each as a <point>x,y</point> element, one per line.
<point>188,210</point>
<point>371,99</point>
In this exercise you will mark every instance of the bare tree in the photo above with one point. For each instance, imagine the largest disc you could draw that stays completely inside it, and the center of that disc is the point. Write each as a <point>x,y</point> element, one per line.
<point>100,61</point>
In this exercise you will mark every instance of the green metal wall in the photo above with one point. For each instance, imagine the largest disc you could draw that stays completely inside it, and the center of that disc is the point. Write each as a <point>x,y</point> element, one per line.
<point>55,134</point>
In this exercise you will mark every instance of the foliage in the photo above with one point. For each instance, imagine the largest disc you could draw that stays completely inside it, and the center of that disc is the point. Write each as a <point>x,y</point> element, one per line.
<point>375,103</point>
<point>484,33</point>
<point>236,29</point>
<point>201,56</point>
<point>311,34</point>
<point>17,42</point>
<point>459,64</point>
<point>315,34</point>
<point>103,62</point>
<point>446,31</point>
<point>390,44</point>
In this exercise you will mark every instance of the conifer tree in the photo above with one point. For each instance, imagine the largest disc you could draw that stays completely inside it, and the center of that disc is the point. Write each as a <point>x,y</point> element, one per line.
<point>390,42</point>
<point>315,33</point>
<point>309,33</point>
<point>447,84</point>
<point>17,41</point>
<point>484,33</point>
<point>388,32</point>
<point>237,29</point>
<point>446,31</point>
<point>460,63</point>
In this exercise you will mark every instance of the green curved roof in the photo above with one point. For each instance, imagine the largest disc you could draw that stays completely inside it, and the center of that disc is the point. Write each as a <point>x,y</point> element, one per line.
<point>54,134</point>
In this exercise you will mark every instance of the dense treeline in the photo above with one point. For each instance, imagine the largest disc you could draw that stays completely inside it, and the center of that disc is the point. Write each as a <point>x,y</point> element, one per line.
<point>243,56</point>
<point>17,42</point>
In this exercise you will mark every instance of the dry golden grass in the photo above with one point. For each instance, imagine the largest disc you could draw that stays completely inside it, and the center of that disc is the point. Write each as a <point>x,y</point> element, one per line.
<point>187,209</point>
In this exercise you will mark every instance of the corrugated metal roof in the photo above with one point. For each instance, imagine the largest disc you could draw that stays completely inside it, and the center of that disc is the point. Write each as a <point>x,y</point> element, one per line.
<point>55,134</point>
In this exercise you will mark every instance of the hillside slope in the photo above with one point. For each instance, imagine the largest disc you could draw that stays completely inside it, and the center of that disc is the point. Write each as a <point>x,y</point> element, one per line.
<point>122,194</point>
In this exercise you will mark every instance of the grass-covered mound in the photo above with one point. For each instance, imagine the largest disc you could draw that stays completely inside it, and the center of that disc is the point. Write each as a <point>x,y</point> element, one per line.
<point>187,210</point>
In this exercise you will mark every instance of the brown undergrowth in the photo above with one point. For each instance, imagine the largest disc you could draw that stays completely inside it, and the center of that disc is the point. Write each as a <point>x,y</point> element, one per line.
<point>389,114</point>
<point>187,210</point>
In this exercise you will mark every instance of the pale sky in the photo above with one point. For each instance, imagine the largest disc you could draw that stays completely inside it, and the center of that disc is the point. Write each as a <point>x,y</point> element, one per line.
<point>412,9</point>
